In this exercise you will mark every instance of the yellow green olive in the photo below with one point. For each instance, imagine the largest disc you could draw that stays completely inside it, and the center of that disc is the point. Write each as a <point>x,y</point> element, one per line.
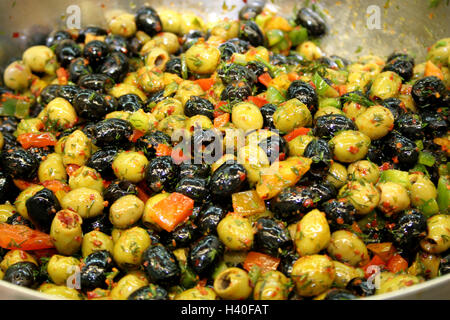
<point>60,268</point>
<point>96,241</point>
<point>126,211</point>
<point>235,232</point>
<point>233,284</point>
<point>312,234</point>
<point>347,247</point>
<point>375,122</point>
<point>130,165</point>
<point>86,202</point>
<point>290,115</point>
<point>66,232</point>
<point>350,146</point>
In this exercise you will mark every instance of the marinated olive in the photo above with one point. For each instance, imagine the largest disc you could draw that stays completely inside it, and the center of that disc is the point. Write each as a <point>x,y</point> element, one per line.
<point>360,287</point>
<point>199,106</point>
<point>118,189</point>
<point>162,174</point>
<point>112,132</point>
<point>434,123</point>
<point>410,229</point>
<point>102,160</point>
<point>250,31</point>
<point>161,265</point>
<point>194,188</point>
<point>57,35</point>
<point>91,105</point>
<point>42,207</point>
<point>150,292</point>
<point>406,151</point>
<point>147,20</point>
<point>78,68</point>
<point>312,21</point>
<point>24,274</point>
<point>95,52</point>
<point>150,142</point>
<point>204,254</point>
<point>229,178</point>
<point>396,106</point>
<point>410,125</point>
<point>428,92</point>
<point>117,43</point>
<point>403,67</point>
<point>235,73</point>
<point>209,218</point>
<point>271,237</point>
<point>328,125</point>
<point>305,93</point>
<point>116,65</point>
<point>19,163</point>
<point>236,92</point>
<point>66,51</point>
<point>321,154</point>
<point>267,112</point>
<point>100,83</point>
<point>251,10</point>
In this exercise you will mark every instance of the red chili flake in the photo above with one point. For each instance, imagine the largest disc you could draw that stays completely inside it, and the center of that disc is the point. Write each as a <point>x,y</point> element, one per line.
<point>15,35</point>
<point>353,149</point>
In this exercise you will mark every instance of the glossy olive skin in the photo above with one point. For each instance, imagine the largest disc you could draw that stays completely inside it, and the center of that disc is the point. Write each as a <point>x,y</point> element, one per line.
<point>241,44</point>
<point>287,261</point>
<point>181,237</point>
<point>319,151</point>
<point>250,31</point>
<point>90,105</point>
<point>93,30</point>
<point>396,145</point>
<point>209,218</point>
<point>312,21</point>
<point>435,124</point>
<point>428,92</point>
<point>150,292</point>
<point>444,266</point>
<point>227,49</point>
<point>376,152</point>
<point>162,174</point>
<point>339,214</point>
<point>118,189</point>
<point>147,20</point>
<point>229,178</point>
<point>6,187</point>
<point>236,72</point>
<point>410,125</point>
<point>19,163</point>
<point>395,106</point>
<point>194,187</point>
<point>204,254</point>
<point>55,36</point>
<point>403,67</point>
<point>10,142</point>
<point>294,59</point>
<point>195,170</point>
<point>66,51</point>
<point>101,258</point>
<point>199,106</point>
<point>326,127</point>
<point>340,294</point>
<point>400,55</point>
<point>291,202</point>
<point>68,92</point>
<point>174,66</point>
<point>100,223</point>
<point>79,67</point>
<point>275,147</point>
<point>267,112</point>
<point>129,102</point>
<point>236,92</point>
<point>191,38</point>
<point>271,237</point>
<point>116,65</point>
<point>49,93</point>
<point>277,59</point>
<point>98,82</point>
<point>95,52</point>
<point>102,161</point>
<point>42,207</point>
<point>305,93</point>
<point>150,141</point>
<point>360,287</point>
<point>117,43</point>
<point>8,124</point>
<point>92,277</point>
<point>161,265</point>
<point>154,99</point>
<point>410,228</point>
<point>112,132</point>
<point>24,274</point>
<point>251,10</point>
<point>17,219</point>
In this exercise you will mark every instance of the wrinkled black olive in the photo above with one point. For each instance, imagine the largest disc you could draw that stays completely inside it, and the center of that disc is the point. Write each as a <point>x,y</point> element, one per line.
<point>339,213</point>
<point>195,170</point>
<point>8,124</point>
<point>396,106</point>
<point>294,59</point>
<point>241,44</point>
<point>410,229</point>
<point>154,99</point>
<point>79,67</point>
<point>42,207</point>
<point>258,68</point>
<point>56,36</point>
<point>147,20</point>
<point>117,189</point>
<point>291,202</point>
<point>6,186</point>
<point>98,82</point>
<point>204,254</point>
<point>403,67</point>
<point>376,152</point>
<point>339,294</point>
<point>130,102</point>
<point>174,66</point>
<point>406,151</point>
<point>181,237</point>
<point>24,274</point>
<point>287,261</point>
<point>320,153</point>
<point>435,124</point>
<point>19,163</point>
<point>99,223</point>
<point>250,31</point>
<point>236,92</point>
<point>112,132</point>
<point>162,174</point>
<point>17,219</point>
<point>161,265</point>
<point>66,51</point>
<point>149,142</point>
<point>116,65</point>
<point>199,106</point>
<point>235,73</point>
<point>90,30</point>
<point>92,277</point>
<point>271,237</point>
<point>444,266</point>
<point>150,292</point>
<point>410,125</point>
<point>328,62</point>
<point>101,258</point>
<point>305,93</point>
<point>400,55</point>
<point>327,126</point>
<point>117,43</point>
<point>428,92</point>
<point>91,105</point>
<point>360,287</point>
<point>275,147</point>
<point>40,153</point>
<point>210,218</point>
<point>191,38</point>
<point>95,52</point>
<point>267,112</point>
<point>229,178</point>
<point>277,59</point>
<point>193,187</point>
<point>10,141</point>
<point>312,21</point>
<point>102,161</point>
<point>227,49</point>
<point>251,10</point>
<point>49,93</point>
<point>68,92</point>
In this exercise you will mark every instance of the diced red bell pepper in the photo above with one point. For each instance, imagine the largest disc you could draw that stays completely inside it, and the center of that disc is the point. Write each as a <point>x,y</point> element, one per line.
<point>23,238</point>
<point>38,140</point>
<point>261,260</point>
<point>295,133</point>
<point>171,211</point>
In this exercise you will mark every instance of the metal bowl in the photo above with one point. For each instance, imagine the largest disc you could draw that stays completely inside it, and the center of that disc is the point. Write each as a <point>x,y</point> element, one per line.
<point>354,31</point>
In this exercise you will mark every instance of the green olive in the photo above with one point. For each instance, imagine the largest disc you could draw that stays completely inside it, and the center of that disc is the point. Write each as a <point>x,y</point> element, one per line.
<point>60,268</point>
<point>290,115</point>
<point>17,76</point>
<point>37,57</point>
<point>363,169</point>
<point>346,247</point>
<point>202,58</point>
<point>128,284</point>
<point>235,232</point>
<point>130,246</point>
<point>52,168</point>
<point>66,232</point>
<point>362,194</point>
<point>337,175</point>
<point>312,234</point>
<point>272,285</point>
<point>386,85</point>
<point>436,240</point>
<point>96,241</point>
<point>126,211</point>
<point>130,165</point>
<point>247,116</point>
<point>375,122</point>
<point>85,177</point>
<point>233,284</point>
<point>86,202</point>
<point>62,291</point>
<point>350,146</point>
<point>393,198</point>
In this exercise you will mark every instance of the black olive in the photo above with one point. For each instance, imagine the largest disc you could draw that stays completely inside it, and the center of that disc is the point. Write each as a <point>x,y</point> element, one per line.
<point>339,213</point>
<point>241,44</point>
<point>24,274</point>
<point>161,265</point>
<point>191,38</point>
<point>92,277</point>
<point>258,68</point>
<point>320,153</point>
<point>192,170</point>
<point>49,93</point>
<point>406,151</point>
<point>154,99</point>
<point>66,51</point>
<point>95,52</point>
<point>277,59</point>
<point>435,124</point>
<point>360,287</point>
<point>91,105</point>
<point>312,21</point>
<point>291,202</point>
<point>162,174</point>
<point>56,36</point>
<point>204,254</point>
<point>305,93</point>
<point>210,218</point>
<point>236,92</point>
<point>150,292</point>
<point>42,207</point>
<point>294,59</point>
<point>376,152</point>
<point>199,106</point>
<point>339,294</point>
<point>193,187</point>
<point>181,237</point>
<point>287,261</point>
<point>410,228</point>
<point>100,258</point>
<point>271,237</point>
<point>149,142</point>
<point>174,66</point>
<point>327,126</point>
<point>400,55</point>
<point>227,49</point>
<point>251,10</point>
<point>130,102</point>
<point>6,187</point>
<point>17,219</point>
<point>267,112</point>
<point>112,132</point>
<point>10,141</point>
<point>102,161</point>
<point>396,106</point>
<point>117,189</point>
<point>41,153</point>
<point>229,178</point>
<point>428,92</point>
<point>328,62</point>
<point>8,124</point>
<point>79,67</point>
<point>68,92</point>
<point>91,30</point>
<point>116,65</point>
<point>403,67</point>
<point>444,266</point>
<point>147,20</point>
<point>410,125</point>
<point>99,223</point>
<point>235,73</point>
<point>98,82</point>
<point>275,147</point>
<point>117,43</point>
<point>19,163</point>
<point>250,31</point>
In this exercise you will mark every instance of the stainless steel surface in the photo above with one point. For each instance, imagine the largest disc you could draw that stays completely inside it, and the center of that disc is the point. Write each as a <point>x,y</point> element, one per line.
<point>408,25</point>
